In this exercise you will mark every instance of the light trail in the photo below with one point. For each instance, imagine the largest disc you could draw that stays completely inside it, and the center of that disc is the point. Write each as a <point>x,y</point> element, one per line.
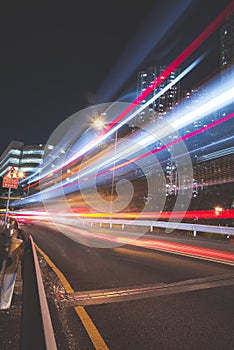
<point>169,144</point>
<point>176,124</point>
<point>192,134</point>
<point>217,213</point>
<point>214,25</point>
<point>225,97</point>
<point>153,29</point>
<point>115,236</point>
<point>85,176</point>
<point>113,128</point>
<point>183,249</point>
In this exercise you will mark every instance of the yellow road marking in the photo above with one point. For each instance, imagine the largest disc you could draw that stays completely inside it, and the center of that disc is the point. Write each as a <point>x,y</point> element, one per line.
<point>95,336</point>
<point>87,322</point>
<point>66,284</point>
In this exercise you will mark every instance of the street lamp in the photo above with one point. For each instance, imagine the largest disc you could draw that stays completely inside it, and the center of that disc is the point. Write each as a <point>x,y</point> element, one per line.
<point>98,123</point>
<point>218,210</point>
<point>20,174</point>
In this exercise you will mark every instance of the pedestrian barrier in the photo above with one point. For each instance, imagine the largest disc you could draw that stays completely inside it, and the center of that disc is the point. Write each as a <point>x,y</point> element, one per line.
<point>221,230</point>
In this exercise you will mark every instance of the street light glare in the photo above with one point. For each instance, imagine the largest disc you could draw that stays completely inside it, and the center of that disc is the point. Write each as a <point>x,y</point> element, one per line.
<point>98,123</point>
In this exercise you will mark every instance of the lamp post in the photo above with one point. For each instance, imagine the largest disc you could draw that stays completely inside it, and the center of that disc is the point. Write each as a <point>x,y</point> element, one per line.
<point>113,173</point>
<point>7,206</point>
<point>99,123</point>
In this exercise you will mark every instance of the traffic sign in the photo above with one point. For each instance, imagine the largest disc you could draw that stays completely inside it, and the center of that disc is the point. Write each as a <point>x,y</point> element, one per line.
<point>10,180</point>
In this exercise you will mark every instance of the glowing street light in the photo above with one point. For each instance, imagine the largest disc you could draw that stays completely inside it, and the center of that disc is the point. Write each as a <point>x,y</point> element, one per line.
<point>20,174</point>
<point>218,210</point>
<point>98,123</point>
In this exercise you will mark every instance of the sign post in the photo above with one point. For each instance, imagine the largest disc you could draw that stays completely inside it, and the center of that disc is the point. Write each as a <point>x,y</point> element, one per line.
<point>10,180</point>
<point>7,207</point>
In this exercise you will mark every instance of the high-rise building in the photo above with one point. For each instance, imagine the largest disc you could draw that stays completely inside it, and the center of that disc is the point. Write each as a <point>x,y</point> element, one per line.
<point>170,98</point>
<point>167,100</point>
<point>24,158</point>
<point>191,101</point>
<point>213,167</point>
<point>227,48</point>
<point>227,55</point>
<point>159,109</point>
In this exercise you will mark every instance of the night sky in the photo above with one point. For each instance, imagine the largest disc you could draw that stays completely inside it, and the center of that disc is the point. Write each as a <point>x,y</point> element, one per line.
<point>60,57</point>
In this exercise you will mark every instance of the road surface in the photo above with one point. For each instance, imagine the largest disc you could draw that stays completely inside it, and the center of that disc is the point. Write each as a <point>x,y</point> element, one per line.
<point>138,298</point>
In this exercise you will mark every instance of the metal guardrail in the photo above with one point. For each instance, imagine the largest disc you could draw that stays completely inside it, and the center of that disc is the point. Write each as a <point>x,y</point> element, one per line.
<point>46,320</point>
<point>11,244</point>
<point>9,272</point>
<point>36,325</point>
<point>222,230</point>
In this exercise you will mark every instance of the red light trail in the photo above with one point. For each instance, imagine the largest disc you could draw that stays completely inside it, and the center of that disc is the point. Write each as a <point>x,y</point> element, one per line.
<point>175,64</point>
<point>172,143</point>
<point>189,250</point>
<point>214,25</point>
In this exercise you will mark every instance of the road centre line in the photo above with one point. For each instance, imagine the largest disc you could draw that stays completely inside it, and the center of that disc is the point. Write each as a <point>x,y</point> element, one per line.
<point>91,329</point>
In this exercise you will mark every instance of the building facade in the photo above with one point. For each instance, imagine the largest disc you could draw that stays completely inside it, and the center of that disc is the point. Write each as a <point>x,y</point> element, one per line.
<point>26,159</point>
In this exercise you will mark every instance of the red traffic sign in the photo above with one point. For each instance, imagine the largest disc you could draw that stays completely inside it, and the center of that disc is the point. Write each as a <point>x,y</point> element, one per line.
<point>10,180</point>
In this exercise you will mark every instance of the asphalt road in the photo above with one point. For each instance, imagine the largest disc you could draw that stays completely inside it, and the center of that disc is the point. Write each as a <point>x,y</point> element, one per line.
<point>141,298</point>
